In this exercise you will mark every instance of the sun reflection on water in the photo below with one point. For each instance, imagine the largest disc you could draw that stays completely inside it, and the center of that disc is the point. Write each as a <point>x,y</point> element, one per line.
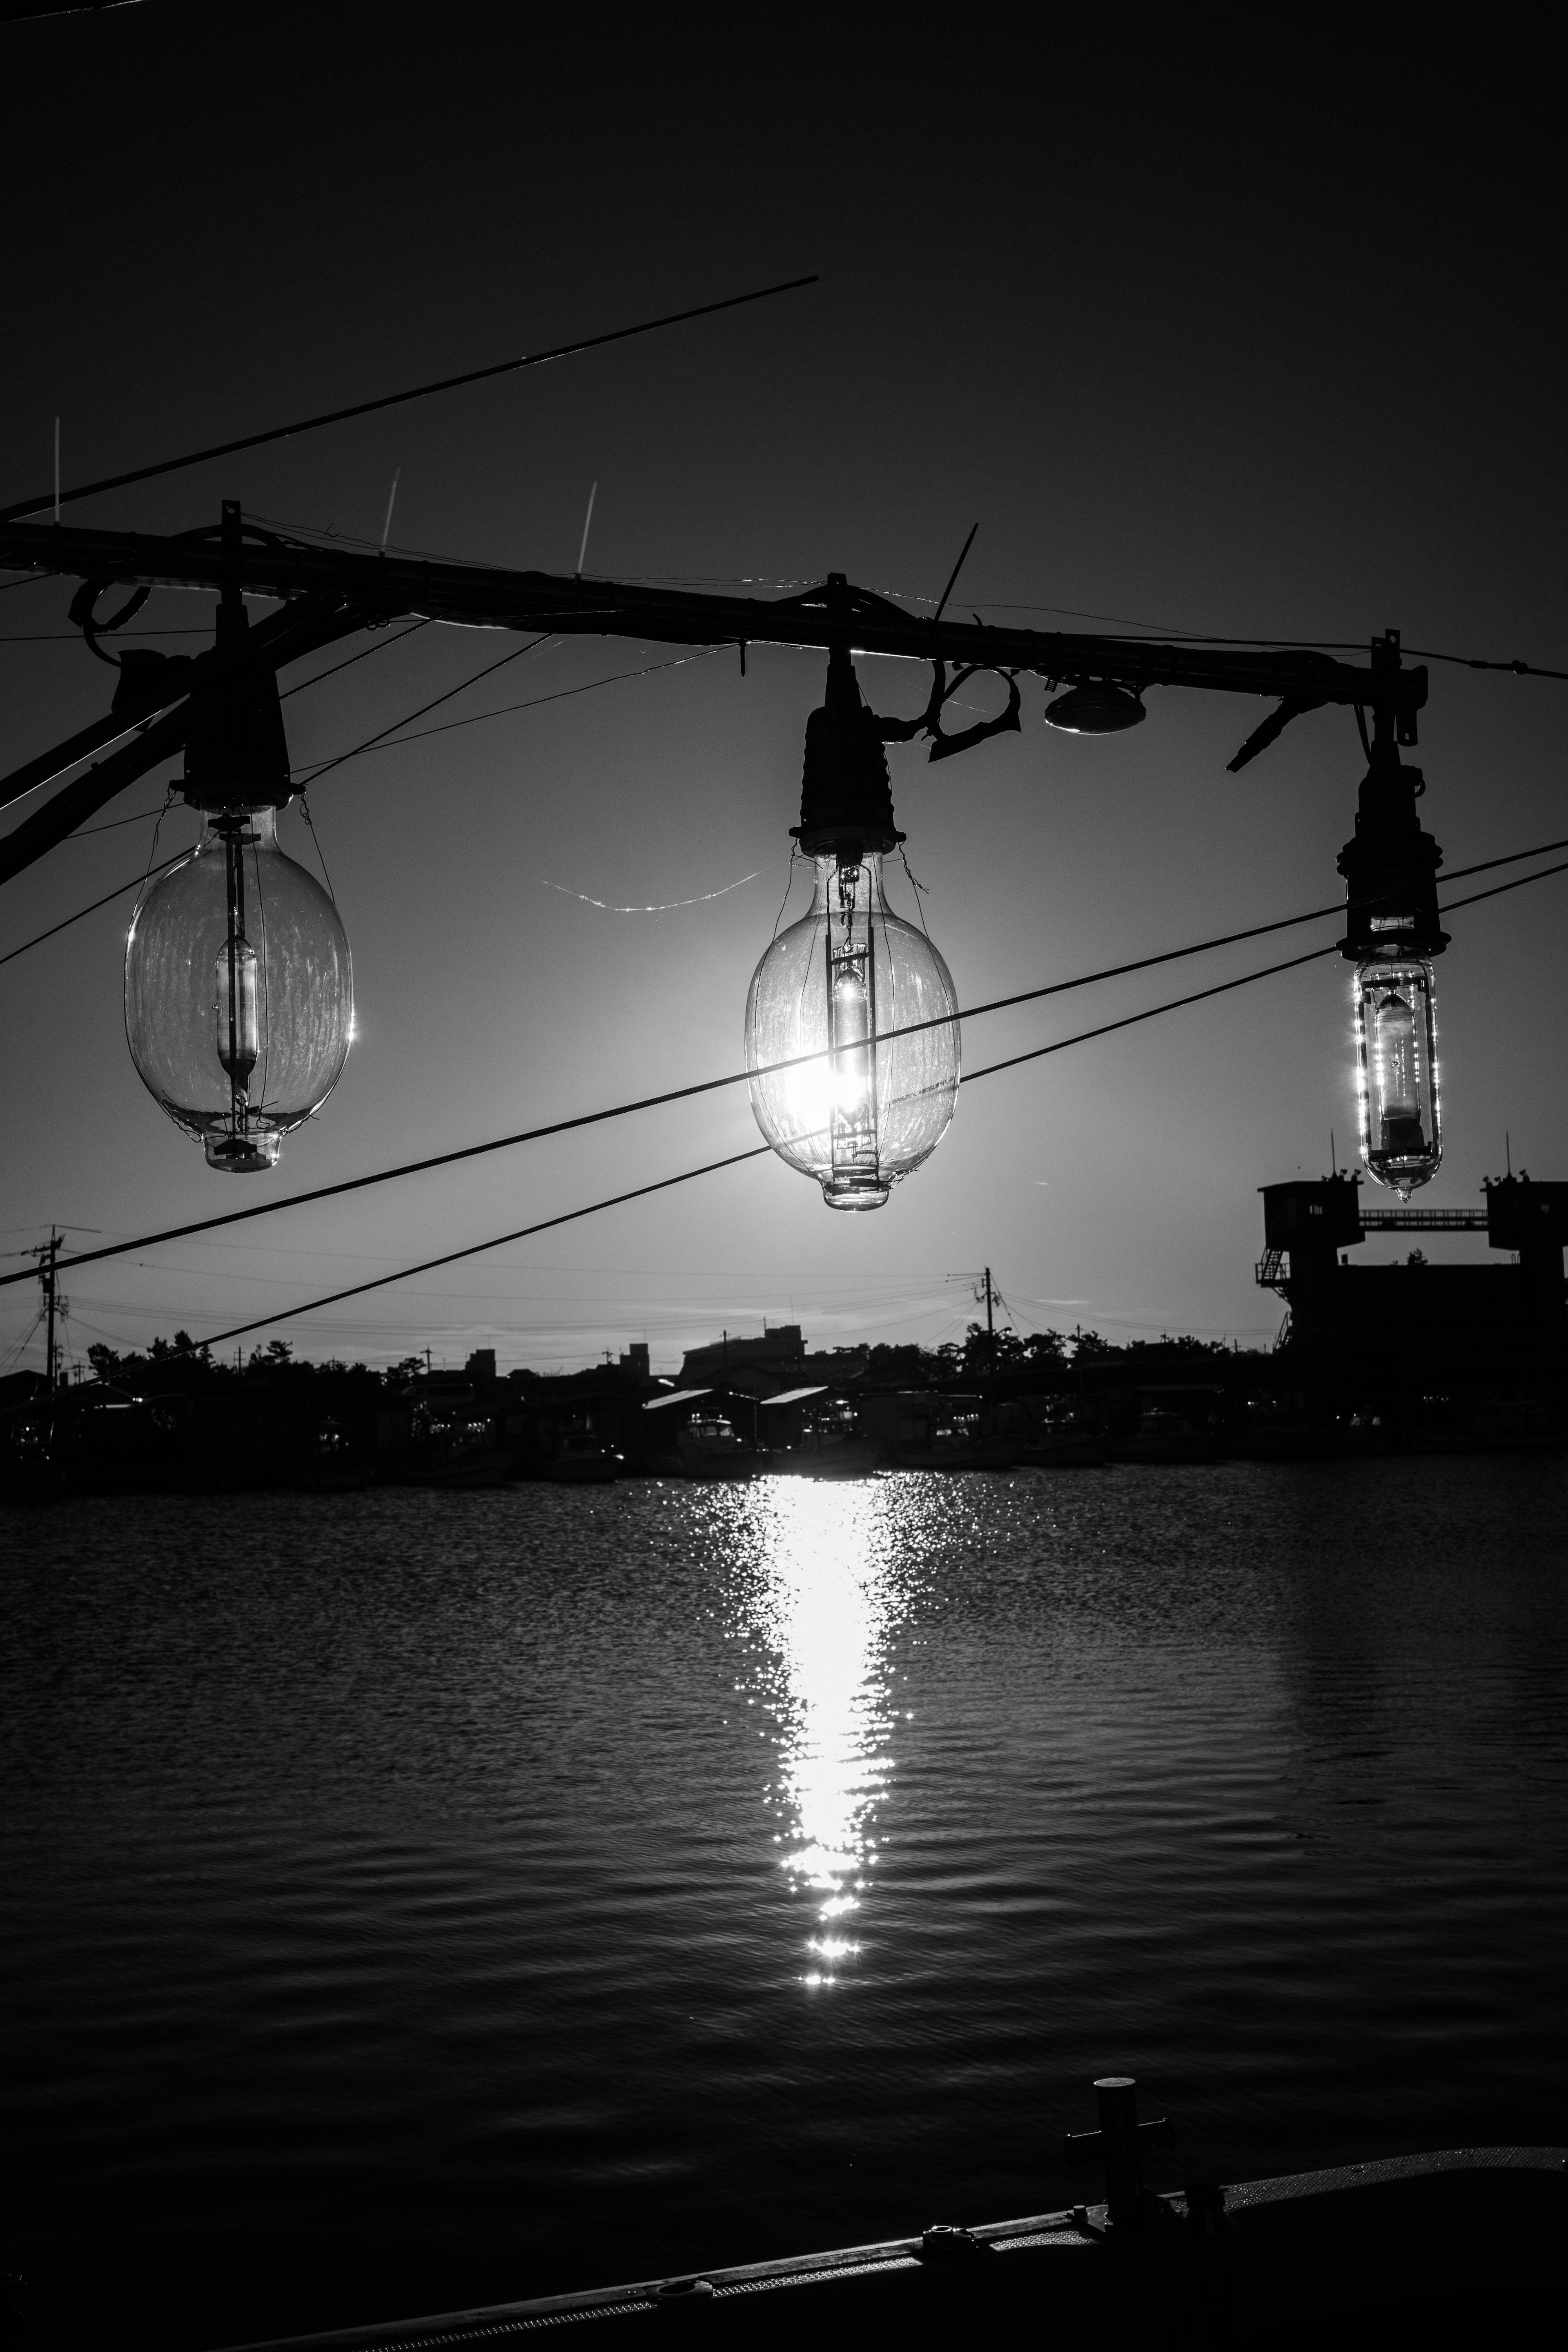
<point>826,1607</point>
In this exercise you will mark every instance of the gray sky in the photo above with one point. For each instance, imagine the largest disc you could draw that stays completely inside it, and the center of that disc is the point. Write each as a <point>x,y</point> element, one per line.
<point>1197,348</point>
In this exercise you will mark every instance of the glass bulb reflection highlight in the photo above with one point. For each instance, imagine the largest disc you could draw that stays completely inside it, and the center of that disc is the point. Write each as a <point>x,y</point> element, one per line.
<point>1396,1052</point>
<point>238,991</point>
<point>867,1108</point>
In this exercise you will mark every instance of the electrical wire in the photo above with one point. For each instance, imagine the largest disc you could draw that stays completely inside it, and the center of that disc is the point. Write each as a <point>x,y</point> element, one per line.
<point>709,1168</point>
<point>1174,1004</point>
<point>321,768</point>
<point>477,1249</point>
<point>739,1077</point>
<point>448,727</point>
<point>1137,632</point>
<point>378,645</point>
<point>85,833</point>
<point>314,776</point>
<point>108,898</point>
<point>73,636</point>
<point>398,399</point>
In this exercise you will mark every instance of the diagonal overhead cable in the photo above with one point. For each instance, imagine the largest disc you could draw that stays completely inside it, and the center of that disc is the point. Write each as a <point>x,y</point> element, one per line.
<point>478,1249</point>
<point>709,1168</point>
<point>108,899</point>
<point>739,1077</point>
<point>310,775</point>
<point>758,1151</point>
<point>395,399</point>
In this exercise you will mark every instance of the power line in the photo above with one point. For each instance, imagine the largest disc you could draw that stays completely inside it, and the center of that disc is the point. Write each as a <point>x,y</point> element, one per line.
<point>109,896</point>
<point>136,881</point>
<point>1267,972</point>
<point>688,1175</point>
<point>1137,632</point>
<point>318,772</point>
<point>378,645</point>
<point>398,399</point>
<point>739,1077</point>
<point>1471,661</point>
<point>73,636</point>
<point>477,1249</point>
<point>562,694</point>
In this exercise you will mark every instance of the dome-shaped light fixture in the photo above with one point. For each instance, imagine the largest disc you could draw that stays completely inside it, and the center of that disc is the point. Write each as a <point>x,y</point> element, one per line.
<point>238,985</point>
<point>1096,709</point>
<point>860,1108</point>
<point>1393,933</point>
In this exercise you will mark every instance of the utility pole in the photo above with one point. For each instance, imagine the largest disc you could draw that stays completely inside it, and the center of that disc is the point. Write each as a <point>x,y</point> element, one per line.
<point>46,1255</point>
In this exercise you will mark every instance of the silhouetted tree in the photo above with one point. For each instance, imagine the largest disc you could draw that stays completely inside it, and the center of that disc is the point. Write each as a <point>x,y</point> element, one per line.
<point>1089,1347</point>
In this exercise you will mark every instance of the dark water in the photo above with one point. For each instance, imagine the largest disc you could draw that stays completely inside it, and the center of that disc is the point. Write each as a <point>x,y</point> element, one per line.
<point>420,1899</point>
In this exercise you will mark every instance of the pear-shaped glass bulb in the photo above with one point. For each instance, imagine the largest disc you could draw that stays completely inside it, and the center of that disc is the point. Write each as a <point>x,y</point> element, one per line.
<point>238,991</point>
<point>866,1107</point>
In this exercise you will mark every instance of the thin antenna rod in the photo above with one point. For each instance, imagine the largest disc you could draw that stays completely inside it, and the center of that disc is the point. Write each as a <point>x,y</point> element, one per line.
<point>391,502</point>
<point>1333,1155</point>
<point>583,551</point>
<point>1508,1149</point>
<point>956,570</point>
<point>395,399</point>
<point>57,469</point>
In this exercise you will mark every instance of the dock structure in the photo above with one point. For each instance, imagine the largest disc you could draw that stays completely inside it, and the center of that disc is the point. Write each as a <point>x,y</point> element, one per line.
<point>1406,1332</point>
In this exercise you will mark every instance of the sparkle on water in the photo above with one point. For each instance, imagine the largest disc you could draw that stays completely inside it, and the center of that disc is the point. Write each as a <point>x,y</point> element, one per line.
<point>827,1609</point>
<point>422,1900</point>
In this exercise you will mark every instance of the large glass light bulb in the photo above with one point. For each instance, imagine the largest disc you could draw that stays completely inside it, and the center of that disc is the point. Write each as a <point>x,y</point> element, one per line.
<point>1397,1045</point>
<point>238,991</point>
<point>870,1108</point>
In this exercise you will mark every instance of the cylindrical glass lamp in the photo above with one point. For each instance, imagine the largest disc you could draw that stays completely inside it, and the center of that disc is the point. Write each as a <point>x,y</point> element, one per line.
<point>1396,1057</point>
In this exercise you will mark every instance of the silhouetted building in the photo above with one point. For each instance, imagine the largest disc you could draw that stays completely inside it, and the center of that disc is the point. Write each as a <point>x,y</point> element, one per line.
<point>760,1367</point>
<point>776,1354</point>
<point>1409,1340</point>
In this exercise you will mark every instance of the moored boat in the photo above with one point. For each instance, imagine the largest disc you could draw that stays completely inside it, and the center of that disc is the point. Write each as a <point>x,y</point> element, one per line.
<point>579,1459</point>
<point>709,1446</point>
<point>1462,2246</point>
<point>1064,1450</point>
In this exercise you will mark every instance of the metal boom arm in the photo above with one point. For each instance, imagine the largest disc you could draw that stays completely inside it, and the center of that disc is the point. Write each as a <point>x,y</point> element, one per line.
<point>381,588</point>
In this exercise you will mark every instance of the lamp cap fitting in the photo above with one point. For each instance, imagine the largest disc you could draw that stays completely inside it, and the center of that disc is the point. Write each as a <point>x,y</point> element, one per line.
<point>846,793</point>
<point>237,753</point>
<point>1390,867</point>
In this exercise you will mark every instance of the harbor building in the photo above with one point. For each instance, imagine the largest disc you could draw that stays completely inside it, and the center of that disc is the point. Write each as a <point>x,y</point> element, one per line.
<point>1409,1338</point>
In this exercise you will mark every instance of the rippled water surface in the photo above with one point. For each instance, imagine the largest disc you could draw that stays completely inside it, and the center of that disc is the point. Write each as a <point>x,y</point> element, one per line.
<point>417,1899</point>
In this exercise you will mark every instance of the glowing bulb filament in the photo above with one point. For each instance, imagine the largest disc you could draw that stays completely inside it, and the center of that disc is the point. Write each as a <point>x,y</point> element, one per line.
<point>1401,1116</point>
<point>237,990</point>
<point>851,1030</point>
